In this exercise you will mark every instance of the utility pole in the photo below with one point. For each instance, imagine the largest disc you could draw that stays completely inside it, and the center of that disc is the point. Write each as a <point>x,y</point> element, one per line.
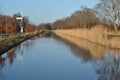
<point>6,26</point>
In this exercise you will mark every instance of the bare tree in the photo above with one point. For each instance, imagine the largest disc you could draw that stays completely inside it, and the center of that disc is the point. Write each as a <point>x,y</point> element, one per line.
<point>110,9</point>
<point>84,18</point>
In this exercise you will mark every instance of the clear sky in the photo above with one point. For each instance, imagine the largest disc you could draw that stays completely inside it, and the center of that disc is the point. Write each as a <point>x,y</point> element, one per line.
<point>44,11</point>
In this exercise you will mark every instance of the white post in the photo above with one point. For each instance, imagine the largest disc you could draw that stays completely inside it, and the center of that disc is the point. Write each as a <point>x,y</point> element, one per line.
<point>21,23</point>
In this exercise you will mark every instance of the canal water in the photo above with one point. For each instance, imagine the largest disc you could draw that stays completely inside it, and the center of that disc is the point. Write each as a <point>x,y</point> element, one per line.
<point>53,58</point>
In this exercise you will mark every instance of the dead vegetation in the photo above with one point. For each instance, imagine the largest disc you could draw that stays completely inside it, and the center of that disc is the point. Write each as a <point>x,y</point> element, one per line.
<point>98,34</point>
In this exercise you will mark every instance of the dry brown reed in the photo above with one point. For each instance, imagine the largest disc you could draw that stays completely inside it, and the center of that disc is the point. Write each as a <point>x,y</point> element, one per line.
<point>96,50</point>
<point>97,34</point>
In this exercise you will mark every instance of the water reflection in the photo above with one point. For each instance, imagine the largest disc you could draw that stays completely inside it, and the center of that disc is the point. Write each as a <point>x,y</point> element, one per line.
<point>2,62</point>
<point>109,68</point>
<point>106,63</point>
<point>10,58</point>
<point>17,53</point>
<point>85,55</point>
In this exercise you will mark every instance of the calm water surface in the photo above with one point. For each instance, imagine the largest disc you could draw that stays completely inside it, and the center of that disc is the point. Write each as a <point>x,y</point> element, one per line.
<point>52,58</point>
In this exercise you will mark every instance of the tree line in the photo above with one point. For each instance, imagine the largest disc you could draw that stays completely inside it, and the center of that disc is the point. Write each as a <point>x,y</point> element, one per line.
<point>84,18</point>
<point>106,12</point>
<point>10,25</point>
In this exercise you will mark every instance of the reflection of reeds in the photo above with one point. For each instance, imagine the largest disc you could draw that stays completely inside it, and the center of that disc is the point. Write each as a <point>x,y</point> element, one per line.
<point>97,34</point>
<point>94,49</point>
<point>90,40</point>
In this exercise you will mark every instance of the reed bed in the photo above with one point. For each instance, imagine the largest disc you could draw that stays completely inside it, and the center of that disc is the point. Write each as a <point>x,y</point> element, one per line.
<point>97,34</point>
<point>96,50</point>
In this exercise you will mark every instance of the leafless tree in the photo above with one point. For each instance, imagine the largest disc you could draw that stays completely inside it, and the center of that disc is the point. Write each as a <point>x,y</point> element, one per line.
<point>110,9</point>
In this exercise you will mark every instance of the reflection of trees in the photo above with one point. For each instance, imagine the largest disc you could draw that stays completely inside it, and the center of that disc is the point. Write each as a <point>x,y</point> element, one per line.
<point>109,68</point>
<point>18,51</point>
<point>14,54</point>
<point>11,56</point>
<point>82,53</point>
<point>105,62</point>
<point>2,62</point>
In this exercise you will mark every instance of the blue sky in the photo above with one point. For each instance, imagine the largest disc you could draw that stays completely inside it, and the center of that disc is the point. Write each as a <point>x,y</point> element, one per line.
<point>44,11</point>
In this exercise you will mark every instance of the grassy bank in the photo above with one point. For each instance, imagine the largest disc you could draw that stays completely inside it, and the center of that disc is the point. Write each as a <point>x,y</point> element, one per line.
<point>97,34</point>
<point>12,41</point>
